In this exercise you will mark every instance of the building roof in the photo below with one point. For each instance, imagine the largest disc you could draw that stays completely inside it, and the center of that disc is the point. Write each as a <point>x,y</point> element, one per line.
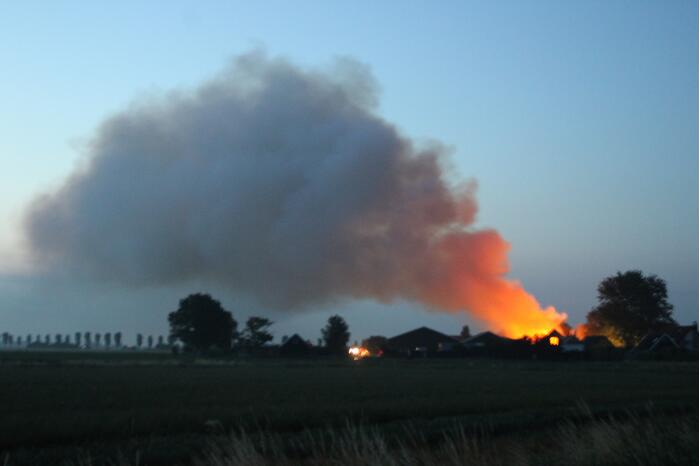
<point>422,337</point>
<point>295,341</point>
<point>675,336</point>
<point>486,339</point>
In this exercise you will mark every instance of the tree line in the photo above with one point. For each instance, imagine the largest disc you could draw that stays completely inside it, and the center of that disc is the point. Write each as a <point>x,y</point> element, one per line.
<point>630,305</point>
<point>83,340</point>
<point>202,324</point>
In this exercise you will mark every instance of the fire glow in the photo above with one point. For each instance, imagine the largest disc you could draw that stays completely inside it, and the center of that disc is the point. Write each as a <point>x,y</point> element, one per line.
<point>471,277</point>
<point>358,352</point>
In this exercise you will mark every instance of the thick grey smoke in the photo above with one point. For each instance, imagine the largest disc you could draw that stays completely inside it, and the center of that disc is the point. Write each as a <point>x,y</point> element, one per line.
<point>271,179</point>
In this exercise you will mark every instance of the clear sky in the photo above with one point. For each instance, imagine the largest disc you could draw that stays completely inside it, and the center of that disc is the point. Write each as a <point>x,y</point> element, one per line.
<point>578,119</point>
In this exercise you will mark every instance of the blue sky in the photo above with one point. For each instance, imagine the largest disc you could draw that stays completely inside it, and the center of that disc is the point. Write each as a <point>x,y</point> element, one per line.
<point>578,119</point>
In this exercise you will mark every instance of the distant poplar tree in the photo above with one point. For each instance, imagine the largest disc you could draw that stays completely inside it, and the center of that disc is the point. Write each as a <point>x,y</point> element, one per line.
<point>19,340</point>
<point>150,341</point>
<point>58,339</point>
<point>98,339</point>
<point>66,339</point>
<point>78,338</point>
<point>29,339</point>
<point>161,342</point>
<point>118,339</point>
<point>139,340</point>
<point>88,339</point>
<point>108,339</point>
<point>47,339</point>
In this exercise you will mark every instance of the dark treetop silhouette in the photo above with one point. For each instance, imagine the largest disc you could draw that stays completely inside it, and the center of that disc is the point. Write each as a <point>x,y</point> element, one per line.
<point>335,334</point>
<point>202,324</point>
<point>630,305</point>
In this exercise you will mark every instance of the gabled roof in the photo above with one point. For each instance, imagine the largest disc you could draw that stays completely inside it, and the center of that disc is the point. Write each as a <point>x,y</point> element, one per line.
<point>420,337</point>
<point>671,336</point>
<point>295,341</point>
<point>571,340</point>
<point>486,339</point>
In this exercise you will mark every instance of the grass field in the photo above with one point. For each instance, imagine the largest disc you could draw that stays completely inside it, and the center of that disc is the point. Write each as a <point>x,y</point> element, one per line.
<point>164,411</point>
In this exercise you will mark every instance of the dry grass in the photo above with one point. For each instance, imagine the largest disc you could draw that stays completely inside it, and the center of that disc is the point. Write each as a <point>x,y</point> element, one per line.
<point>634,440</point>
<point>640,440</point>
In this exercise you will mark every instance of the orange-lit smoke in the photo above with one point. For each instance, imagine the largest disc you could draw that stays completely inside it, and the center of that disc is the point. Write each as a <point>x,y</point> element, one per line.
<point>470,275</point>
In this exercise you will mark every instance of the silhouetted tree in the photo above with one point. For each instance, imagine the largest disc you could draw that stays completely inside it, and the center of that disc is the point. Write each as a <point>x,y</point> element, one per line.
<point>108,339</point>
<point>58,339</point>
<point>630,305</point>
<point>375,344</point>
<point>139,340</point>
<point>66,339</point>
<point>78,338</point>
<point>88,339</point>
<point>118,339</point>
<point>47,339</point>
<point>201,323</point>
<point>465,333</point>
<point>336,335</point>
<point>29,339</point>
<point>150,341</point>
<point>161,342</point>
<point>98,339</point>
<point>19,340</point>
<point>256,334</point>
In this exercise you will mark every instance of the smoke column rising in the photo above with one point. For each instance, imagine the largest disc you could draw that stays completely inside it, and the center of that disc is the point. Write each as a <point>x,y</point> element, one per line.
<point>282,183</point>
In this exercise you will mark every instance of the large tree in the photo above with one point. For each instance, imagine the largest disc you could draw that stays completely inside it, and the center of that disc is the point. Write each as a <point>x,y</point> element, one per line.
<point>256,332</point>
<point>336,335</point>
<point>630,305</point>
<point>201,323</point>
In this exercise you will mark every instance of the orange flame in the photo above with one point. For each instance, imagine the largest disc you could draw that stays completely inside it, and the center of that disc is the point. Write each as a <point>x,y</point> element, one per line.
<point>470,275</point>
<point>358,352</point>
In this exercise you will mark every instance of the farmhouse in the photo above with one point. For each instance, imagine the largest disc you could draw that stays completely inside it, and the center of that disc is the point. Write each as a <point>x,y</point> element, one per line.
<point>571,344</point>
<point>296,346</point>
<point>488,344</point>
<point>485,340</point>
<point>421,341</point>
<point>682,338</point>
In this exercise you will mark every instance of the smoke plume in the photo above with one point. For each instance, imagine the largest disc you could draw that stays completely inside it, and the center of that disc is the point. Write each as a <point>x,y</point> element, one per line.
<point>285,184</point>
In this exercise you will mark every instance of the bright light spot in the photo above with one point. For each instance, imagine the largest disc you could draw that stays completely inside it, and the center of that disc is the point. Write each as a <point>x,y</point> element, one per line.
<point>358,352</point>
<point>554,341</point>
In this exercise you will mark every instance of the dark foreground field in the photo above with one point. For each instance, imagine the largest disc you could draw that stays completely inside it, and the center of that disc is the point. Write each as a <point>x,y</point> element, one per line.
<point>372,412</point>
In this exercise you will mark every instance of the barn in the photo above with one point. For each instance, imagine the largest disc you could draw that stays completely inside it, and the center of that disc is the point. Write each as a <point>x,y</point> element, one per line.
<point>421,342</point>
<point>296,346</point>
